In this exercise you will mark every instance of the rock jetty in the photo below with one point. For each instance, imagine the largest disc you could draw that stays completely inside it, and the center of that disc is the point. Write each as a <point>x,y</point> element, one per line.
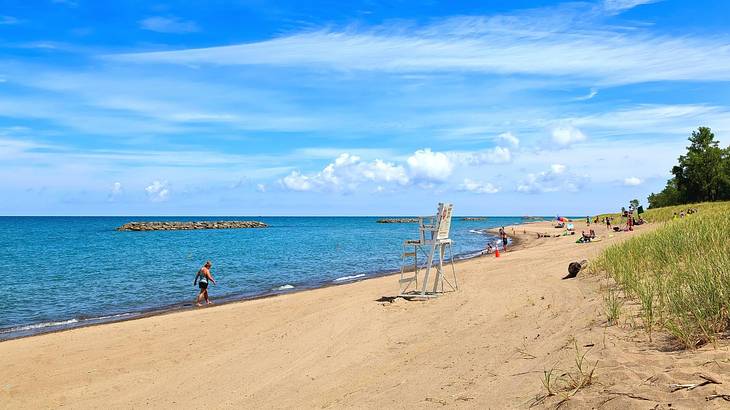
<point>471,218</point>
<point>398,221</point>
<point>185,226</point>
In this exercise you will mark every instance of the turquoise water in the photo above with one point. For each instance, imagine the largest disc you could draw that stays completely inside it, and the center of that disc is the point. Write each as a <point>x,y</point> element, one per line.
<point>70,271</point>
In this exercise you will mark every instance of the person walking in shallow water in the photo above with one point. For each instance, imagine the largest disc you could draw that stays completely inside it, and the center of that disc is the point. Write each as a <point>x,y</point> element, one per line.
<point>201,279</point>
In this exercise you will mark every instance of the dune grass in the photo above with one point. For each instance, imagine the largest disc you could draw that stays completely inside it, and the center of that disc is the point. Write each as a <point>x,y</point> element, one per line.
<point>679,273</point>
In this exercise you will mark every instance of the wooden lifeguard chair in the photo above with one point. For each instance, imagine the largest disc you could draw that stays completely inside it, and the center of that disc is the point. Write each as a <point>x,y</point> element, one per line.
<point>432,244</point>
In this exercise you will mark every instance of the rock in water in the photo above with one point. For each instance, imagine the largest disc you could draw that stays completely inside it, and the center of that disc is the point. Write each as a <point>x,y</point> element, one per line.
<point>180,226</point>
<point>397,221</point>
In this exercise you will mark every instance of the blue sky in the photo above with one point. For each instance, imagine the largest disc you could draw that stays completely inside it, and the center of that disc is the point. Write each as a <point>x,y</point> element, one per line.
<point>352,108</point>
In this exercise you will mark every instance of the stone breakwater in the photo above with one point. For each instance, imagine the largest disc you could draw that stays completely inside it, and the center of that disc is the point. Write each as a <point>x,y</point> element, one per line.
<point>184,226</point>
<point>398,221</point>
<point>479,218</point>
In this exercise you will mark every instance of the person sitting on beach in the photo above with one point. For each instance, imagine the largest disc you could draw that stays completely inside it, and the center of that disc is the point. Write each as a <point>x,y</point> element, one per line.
<point>584,237</point>
<point>205,276</point>
<point>490,249</point>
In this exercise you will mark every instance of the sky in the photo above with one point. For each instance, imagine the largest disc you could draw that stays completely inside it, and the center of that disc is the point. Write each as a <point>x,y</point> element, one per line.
<point>364,107</point>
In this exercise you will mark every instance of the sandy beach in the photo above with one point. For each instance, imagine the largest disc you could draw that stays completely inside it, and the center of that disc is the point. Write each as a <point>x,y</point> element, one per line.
<point>484,346</point>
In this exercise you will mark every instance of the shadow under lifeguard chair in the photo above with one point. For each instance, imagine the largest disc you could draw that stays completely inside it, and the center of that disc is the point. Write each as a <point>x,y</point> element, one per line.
<point>432,245</point>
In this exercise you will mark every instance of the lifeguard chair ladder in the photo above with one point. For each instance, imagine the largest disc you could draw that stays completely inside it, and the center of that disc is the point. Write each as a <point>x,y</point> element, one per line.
<point>432,243</point>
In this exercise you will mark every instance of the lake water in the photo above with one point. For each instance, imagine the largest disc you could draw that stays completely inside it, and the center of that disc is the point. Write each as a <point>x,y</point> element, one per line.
<point>70,271</point>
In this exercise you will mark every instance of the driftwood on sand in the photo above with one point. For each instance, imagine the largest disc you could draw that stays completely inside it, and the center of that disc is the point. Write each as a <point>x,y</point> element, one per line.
<point>574,268</point>
<point>184,226</point>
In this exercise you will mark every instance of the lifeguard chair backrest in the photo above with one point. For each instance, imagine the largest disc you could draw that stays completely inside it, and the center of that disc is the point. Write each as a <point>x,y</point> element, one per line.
<point>444,220</point>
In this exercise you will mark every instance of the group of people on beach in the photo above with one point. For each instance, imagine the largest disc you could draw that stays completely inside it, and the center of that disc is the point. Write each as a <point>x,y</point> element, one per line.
<point>502,238</point>
<point>682,214</point>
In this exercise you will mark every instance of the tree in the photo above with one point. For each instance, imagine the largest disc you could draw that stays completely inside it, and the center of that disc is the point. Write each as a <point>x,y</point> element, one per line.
<point>702,174</point>
<point>668,196</point>
<point>634,204</point>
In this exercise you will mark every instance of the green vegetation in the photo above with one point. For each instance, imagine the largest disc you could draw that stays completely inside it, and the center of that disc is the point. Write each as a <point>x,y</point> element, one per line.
<point>566,384</point>
<point>702,174</point>
<point>667,213</point>
<point>614,305</point>
<point>679,273</point>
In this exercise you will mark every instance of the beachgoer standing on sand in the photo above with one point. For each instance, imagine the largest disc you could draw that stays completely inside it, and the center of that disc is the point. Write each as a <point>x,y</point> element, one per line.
<point>503,234</point>
<point>588,221</point>
<point>205,277</point>
<point>608,223</point>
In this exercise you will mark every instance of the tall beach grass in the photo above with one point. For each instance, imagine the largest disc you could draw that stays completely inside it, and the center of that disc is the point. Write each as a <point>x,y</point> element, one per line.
<point>679,273</point>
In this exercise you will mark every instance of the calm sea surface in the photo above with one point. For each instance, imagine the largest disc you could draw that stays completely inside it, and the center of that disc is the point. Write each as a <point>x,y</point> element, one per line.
<point>70,271</point>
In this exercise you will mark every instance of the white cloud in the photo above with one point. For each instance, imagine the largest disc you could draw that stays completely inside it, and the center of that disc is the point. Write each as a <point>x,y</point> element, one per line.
<point>509,138</point>
<point>632,181</point>
<point>553,180</point>
<point>593,92</point>
<point>621,5</point>
<point>171,25</point>
<point>478,187</point>
<point>346,173</point>
<point>297,182</point>
<point>427,165</point>
<point>261,187</point>
<point>496,155</point>
<point>513,44</point>
<point>115,191</point>
<point>158,191</point>
<point>566,135</point>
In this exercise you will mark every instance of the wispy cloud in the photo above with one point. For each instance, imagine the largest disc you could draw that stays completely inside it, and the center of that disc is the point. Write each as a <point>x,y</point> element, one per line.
<point>115,191</point>
<point>593,92</point>
<point>9,20</point>
<point>479,44</point>
<point>69,3</point>
<point>622,5</point>
<point>172,25</point>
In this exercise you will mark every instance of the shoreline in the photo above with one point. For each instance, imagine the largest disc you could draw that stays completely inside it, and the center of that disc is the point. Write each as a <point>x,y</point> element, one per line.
<point>484,345</point>
<point>38,329</point>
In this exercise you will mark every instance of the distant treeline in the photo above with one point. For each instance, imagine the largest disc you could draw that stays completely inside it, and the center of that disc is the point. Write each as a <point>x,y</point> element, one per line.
<point>702,174</point>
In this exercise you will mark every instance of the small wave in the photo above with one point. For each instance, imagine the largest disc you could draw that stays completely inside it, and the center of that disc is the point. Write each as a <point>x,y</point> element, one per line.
<point>284,287</point>
<point>43,325</point>
<point>344,278</point>
<point>38,326</point>
<point>479,231</point>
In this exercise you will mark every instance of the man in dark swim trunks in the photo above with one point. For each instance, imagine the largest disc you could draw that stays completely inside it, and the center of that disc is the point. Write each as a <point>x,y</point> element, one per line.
<point>205,276</point>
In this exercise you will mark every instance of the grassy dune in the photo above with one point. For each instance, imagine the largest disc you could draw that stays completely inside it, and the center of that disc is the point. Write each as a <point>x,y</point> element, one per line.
<point>679,273</point>
<point>665,214</point>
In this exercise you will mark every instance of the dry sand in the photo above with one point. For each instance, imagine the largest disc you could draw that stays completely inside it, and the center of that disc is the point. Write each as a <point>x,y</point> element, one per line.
<point>485,346</point>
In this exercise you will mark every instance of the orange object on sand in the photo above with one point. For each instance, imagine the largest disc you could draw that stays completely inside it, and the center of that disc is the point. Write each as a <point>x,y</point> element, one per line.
<point>496,253</point>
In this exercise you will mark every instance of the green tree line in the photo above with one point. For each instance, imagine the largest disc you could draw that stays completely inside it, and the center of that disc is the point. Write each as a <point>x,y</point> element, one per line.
<point>701,175</point>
